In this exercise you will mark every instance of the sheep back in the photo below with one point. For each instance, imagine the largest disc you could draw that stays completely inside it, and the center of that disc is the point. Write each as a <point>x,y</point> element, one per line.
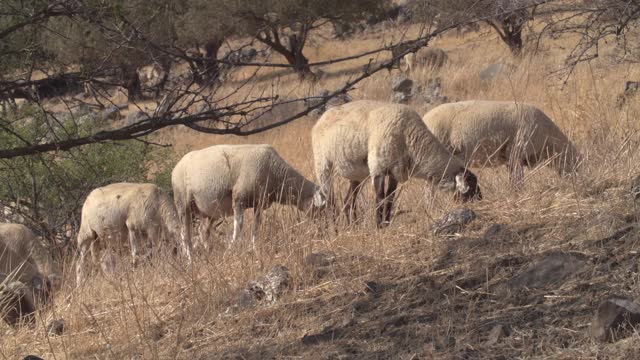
<point>108,210</point>
<point>24,243</point>
<point>215,176</point>
<point>365,138</point>
<point>483,130</point>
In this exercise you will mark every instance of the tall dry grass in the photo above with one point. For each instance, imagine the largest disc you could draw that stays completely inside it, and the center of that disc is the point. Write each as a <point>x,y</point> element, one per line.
<point>166,310</point>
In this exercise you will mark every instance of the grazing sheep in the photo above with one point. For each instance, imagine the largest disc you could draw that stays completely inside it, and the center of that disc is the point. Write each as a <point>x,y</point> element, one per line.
<point>497,132</point>
<point>23,242</point>
<point>22,287</point>
<point>17,302</point>
<point>227,179</point>
<point>125,210</point>
<point>431,58</point>
<point>370,138</point>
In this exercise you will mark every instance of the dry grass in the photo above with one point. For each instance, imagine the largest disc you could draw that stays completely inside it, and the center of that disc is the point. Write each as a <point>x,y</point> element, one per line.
<point>436,298</point>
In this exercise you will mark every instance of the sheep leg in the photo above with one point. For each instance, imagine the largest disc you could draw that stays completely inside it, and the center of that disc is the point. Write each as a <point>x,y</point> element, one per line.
<point>378,186</point>
<point>325,179</point>
<point>153,238</point>
<point>134,239</point>
<point>390,194</point>
<point>185,231</point>
<point>85,246</point>
<point>238,218</point>
<point>352,195</point>
<point>108,261</point>
<point>205,232</point>
<point>257,217</point>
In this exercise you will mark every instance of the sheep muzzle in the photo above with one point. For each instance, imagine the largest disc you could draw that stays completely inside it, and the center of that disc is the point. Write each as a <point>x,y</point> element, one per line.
<point>467,188</point>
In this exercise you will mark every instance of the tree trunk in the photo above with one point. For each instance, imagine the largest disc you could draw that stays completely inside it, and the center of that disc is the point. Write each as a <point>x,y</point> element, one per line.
<point>209,65</point>
<point>513,39</point>
<point>298,60</point>
<point>293,52</point>
<point>131,83</point>
<point>510,31</point>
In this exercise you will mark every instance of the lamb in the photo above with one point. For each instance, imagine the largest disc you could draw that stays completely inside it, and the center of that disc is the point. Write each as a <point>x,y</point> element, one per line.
<point>221,180</point>
<point>432,58</point>
<point>125,210</point>
<point>498,132</point>
<point>22,286</point>
<point>370,138</point>
<point>23,242</point>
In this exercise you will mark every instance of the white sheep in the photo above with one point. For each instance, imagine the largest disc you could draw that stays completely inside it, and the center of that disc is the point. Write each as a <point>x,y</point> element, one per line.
<point>498,132</point>
<point>370,138</point>
<point>24,243</point>
<point>431,58</point>
<point>121,211</point>
<point>23,287</point>
<point>221,180</point>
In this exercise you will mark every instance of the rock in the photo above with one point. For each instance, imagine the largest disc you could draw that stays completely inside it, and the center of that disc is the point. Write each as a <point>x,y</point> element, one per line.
<point>453,221</point>
<point>432,94</point>
<point>496,333</point>
<point>55,327</point>
<point>400,98</point>
<point>343,30</point>
<point>495,70</point>
<point>134,117</point>
<point>245,299</point>
<point>249,54</point>
<point>175,81</point>
<point>630,90</point>
<point>109,114</point>
<point>241,56</point>
<point>337,100</point>
<point>81,110</point>
<point>151,76</point>
<point>320,263</point>
<point>466,29</point>
<point>493,232</point>
<point>272,285</point>
<point>402,84</point>
<point>614,318</point>
<point>552,270</point>
<point>320,259</point>
<point>405,14</point>
<point>372,287</point>
<point>266,289</point>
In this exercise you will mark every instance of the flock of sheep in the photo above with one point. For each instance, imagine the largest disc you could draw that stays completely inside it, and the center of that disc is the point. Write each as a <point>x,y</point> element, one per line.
<point>358,140</point>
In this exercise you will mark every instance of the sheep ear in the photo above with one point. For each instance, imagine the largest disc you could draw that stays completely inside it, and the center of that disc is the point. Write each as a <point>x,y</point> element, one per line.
<point>461,184</point>
<point>319,200</point>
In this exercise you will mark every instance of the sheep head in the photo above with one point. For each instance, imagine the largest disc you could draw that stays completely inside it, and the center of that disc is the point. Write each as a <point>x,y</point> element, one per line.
<point>42,287</point>
<point>315,204</point>
<point>467,188</point>
<point>16,303</point>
